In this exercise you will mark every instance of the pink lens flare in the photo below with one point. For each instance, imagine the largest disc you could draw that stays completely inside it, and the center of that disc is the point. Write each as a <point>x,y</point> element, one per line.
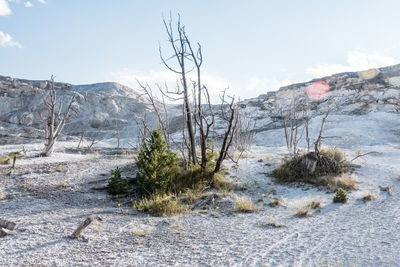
<point>317,90</point>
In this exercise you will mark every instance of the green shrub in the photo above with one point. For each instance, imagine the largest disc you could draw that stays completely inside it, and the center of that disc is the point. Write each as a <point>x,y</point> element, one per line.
<point>160,205</point>
<point>158,166</point>
<point>117,185</point>
<point>340,196</point>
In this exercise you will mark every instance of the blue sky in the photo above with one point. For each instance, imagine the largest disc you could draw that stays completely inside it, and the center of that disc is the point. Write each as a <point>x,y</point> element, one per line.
<point>251,46</point>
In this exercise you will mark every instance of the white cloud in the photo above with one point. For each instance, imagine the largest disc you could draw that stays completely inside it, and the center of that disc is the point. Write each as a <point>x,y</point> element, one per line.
<point>5,9</point>
<point>216,84</point>
<point>356,61</point>
<point>28,4</point>
<point>42,1</point>
<point>6,40</point>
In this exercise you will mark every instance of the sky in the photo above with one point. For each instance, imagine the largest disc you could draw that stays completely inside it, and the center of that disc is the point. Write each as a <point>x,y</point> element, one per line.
<point>252,47</point>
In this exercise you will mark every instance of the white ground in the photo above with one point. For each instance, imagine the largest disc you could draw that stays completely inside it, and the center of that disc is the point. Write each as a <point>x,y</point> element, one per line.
<point>49,197</point>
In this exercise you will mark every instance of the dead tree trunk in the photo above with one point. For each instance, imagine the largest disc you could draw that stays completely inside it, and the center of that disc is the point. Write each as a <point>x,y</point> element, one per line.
<point>55,122</point>
<point>231,117</point>
<point>180,53</point>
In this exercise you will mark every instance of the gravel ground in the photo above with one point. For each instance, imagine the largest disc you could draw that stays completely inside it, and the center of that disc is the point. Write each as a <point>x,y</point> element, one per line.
<point>48,198</point>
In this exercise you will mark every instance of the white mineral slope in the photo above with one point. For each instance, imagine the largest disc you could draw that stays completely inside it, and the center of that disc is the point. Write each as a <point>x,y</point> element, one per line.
<point>48,200</point>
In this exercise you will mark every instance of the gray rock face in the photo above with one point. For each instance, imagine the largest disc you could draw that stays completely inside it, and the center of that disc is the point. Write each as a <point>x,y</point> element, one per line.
<point>103,109</point>
<point>99,110</point>
<point>350,93</point>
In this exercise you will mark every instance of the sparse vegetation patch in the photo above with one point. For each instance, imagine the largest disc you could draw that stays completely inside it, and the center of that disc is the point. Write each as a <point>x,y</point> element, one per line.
<point>243,204</point>
<point>320,168</point>
<point>117,185</point>
<point>160,205</point>
<point>340,196</point>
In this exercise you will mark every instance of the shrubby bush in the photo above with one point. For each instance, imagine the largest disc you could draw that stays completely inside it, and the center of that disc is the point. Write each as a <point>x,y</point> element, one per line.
<point>158,166</point>
<point>340,196</point>
<point>314,168</point>
<point>117,185</point>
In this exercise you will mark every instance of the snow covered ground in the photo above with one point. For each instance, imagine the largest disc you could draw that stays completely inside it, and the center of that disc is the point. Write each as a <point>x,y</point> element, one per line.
<point>49,197</point>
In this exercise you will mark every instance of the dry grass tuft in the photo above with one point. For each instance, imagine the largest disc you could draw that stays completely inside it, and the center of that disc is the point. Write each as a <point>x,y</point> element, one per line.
<point>2,195</point>
<point>221,183</point>
<point>275,202</point>
<point>140,233</point>
<point>305,210</point>
<point>346,181</point>
<point>4,160</point>
<point>368,197</point>
<point>315,205</point>
<point>243,204</point>
<point>7,159</point>
<point>191,195</point>
<point>333,153</point>
<point>161,205</point>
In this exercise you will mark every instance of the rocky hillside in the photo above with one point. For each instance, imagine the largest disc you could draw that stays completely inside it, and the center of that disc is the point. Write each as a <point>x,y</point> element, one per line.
<point>350,93</point>
<point>101,109</point>
<point>105,109</point>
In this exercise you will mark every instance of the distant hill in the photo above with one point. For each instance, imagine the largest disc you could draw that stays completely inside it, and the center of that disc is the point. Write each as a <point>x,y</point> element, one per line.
<point>104,109</point>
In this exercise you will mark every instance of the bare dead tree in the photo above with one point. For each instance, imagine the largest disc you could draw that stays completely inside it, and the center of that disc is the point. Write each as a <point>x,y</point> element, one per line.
<point>81,140</point>
<point>94,139</point>
<point>243,137</point>
<point>162,118</point>
<point>144,130</point>
<point>318,141</point>
<point>55,121</point>
<point>230,115</point>
<point>198,114</point>
<point>291,123</point>
<point>181,55</point>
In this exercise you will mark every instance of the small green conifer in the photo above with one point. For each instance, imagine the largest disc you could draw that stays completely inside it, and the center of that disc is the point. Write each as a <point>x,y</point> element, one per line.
<point>158,166</point>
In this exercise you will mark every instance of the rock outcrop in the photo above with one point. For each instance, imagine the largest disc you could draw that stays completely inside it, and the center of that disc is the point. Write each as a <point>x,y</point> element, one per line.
<point>103,109</point>
<point>100,110</point>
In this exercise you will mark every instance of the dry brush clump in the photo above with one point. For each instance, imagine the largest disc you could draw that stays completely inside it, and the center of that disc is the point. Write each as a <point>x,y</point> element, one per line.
<point>274,202</point>
<point>305,210</point>
<point>8,158</point>
<point>161,205</point>
<point>243,204</point>
<point>369,196</point>
<point>347,181</point>
<point>325,168</point>
<point>3,195</point>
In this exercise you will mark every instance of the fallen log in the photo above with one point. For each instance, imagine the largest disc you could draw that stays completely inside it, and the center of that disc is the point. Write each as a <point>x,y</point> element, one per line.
<point>77,233</point>
<point>2,233</point>
<point>7,224</point>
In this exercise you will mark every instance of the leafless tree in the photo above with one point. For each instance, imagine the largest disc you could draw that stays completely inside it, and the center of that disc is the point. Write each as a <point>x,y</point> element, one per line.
<point>293,115</point>
<point>198,114</point>
<point>182,56</point>
<point>230,114</point>
<point>55,120</point>
<point>162,116</point>
<point>244,134</point>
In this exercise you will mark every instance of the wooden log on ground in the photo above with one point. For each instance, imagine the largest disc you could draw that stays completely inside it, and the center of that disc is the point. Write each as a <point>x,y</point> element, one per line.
<point>77,233</point>
<point>2,233</point>
<point>7,224</point>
